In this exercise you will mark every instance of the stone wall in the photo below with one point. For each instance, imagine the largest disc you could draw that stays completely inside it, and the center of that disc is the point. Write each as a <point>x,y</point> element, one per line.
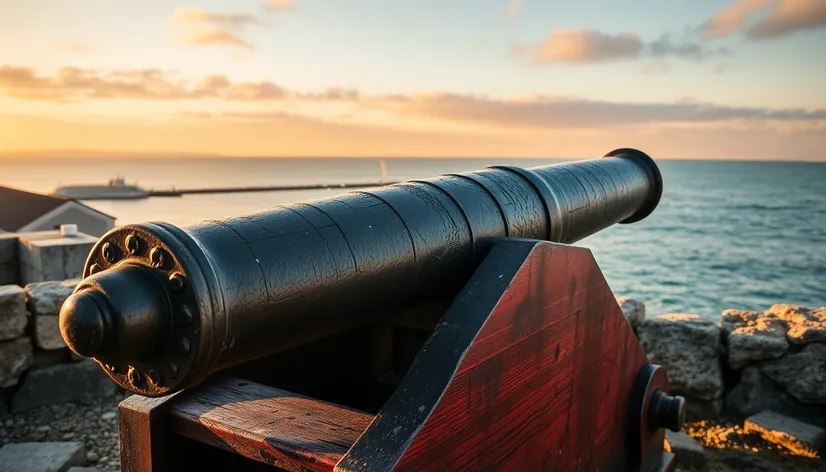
<point>36,367</point>
<point>9,267</point>
<point>745,363</point>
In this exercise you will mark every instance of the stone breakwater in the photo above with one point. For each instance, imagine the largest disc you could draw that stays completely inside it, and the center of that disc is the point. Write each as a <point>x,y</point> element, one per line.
<point>743,364</point>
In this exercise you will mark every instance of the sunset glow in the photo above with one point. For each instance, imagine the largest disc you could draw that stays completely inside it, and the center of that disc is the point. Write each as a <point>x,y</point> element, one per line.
<point>705,79</point>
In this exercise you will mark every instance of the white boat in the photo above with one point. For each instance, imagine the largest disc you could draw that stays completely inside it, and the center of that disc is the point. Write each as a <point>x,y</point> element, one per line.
<point>116,189</point>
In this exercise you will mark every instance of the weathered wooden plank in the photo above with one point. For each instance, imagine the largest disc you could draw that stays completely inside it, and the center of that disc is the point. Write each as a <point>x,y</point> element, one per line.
<point>269,425</point>
<point>143,441</point>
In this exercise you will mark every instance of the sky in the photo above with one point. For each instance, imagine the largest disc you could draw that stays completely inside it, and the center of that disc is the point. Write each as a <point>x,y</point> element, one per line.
<point>709,79</point>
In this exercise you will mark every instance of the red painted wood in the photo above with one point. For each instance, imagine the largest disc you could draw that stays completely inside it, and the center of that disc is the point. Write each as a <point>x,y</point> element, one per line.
<point>142,430</point>
<point>546,383</point>
<point>269,425</point>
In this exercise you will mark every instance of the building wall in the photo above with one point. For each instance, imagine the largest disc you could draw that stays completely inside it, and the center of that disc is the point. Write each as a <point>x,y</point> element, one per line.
<point>88,222</point>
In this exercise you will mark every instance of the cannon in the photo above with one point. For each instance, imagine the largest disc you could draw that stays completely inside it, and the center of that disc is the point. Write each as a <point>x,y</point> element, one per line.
<point>439,324</point>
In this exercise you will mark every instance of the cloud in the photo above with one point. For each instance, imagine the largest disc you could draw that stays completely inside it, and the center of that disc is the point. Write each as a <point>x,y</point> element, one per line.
<point>514,8</point>
<point>539,112</point>
<point>69,46</point>
<point>75,83</point>
<point>72,83</point>
<point>789,16</point>
<point>580,46</point>
<point>553,113</point>
<point>774,18</point>
<point>194,26</point>
<point>733,18</point>
<point>583,45</point>
<point>280,4</point>
<point>664,47</point>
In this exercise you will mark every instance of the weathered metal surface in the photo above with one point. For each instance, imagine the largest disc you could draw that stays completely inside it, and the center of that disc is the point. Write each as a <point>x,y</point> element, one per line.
<point>177,304</point>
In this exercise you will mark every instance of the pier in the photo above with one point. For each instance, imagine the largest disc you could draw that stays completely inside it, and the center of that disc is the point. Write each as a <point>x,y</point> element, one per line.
<point>269,188</point>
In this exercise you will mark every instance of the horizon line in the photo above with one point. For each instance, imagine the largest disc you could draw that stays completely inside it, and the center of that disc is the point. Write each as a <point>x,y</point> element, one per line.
<point>98,154</point>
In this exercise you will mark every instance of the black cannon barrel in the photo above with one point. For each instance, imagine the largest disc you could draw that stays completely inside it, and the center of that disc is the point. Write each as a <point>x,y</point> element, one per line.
<point>161,307</point>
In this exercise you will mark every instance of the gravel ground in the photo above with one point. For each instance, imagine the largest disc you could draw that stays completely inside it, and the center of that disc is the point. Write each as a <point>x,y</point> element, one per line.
<point>94,424</point>
<point>729,449</point>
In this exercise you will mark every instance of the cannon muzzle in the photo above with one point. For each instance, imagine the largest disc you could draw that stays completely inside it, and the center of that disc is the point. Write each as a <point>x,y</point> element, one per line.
<point>161,307</point>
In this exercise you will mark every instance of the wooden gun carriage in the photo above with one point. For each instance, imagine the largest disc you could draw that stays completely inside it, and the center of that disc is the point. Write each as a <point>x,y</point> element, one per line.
<point>434,325</point>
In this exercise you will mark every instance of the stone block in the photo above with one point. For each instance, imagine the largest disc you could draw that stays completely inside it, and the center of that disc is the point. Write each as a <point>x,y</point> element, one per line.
<point>688,452</point>
<point>47,358</point>
<point>762,339</point>
<point>46,333</point>
<point>15,357</point>
<point>633,310</point>
<point>698,410</point>
<point>9,274</point>
<point>802,375</point>
<point>8,249</point>
<point>796,436</point>
<point>46,298</point>
<point>46,255</point>
<point>805,325</point>
<point>12,312</point>
<point>76,381</point>
<point>41,457</point>
<point>689,349</point>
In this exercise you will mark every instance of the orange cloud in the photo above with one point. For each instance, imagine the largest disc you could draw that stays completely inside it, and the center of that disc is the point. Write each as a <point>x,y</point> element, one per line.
<point>68,46</point>
<point>73,83</point>
<point>553,113</point>
<point>782,17</point>
<point>77,83</point>
<point>789,16</point>
<point>514,8</point>
<point>194,26</point>
<point>733,18</point>
<point>587,46</point>
<point>280,4</point>
<point>583,45</point>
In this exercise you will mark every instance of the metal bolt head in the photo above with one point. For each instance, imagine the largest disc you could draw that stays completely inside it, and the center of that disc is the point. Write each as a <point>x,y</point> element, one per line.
<point>184,316</point>
<point>177,282</point>
<point>183,346</point>
<point>110,252</point>
<point>158,257</point>
<point>133,244</point>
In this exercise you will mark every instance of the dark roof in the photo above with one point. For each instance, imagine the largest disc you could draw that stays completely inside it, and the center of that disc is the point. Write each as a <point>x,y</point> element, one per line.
<point>19,208</point>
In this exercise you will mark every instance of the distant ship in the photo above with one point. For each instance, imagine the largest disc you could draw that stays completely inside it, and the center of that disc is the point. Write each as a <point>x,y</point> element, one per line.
<point>116,189</point>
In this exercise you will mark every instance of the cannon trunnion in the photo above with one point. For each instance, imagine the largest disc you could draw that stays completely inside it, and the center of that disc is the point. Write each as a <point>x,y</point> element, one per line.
<point>431,326</point>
